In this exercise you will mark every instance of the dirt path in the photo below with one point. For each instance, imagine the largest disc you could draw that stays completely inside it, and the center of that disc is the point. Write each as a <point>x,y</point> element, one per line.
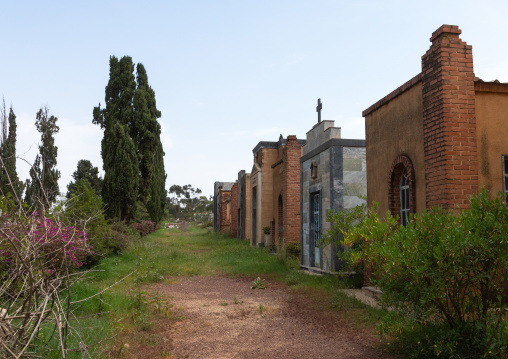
<point>224,318</point>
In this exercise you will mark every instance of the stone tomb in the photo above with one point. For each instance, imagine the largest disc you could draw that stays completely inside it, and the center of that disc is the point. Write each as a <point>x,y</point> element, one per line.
<point>333,176</point>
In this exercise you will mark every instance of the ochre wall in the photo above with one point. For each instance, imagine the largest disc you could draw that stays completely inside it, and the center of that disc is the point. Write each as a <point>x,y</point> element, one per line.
<point>392,130</point>
<point>492,137</point>
<point>234,210</point>
<point>246,207</point>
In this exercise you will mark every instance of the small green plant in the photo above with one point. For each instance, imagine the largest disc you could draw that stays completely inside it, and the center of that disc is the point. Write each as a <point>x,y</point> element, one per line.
<point>293,249</point>
<point>224,304</point>
<point>258,283</point>
<point>138,300</point>
<point>266,230</point>
<point>159,302</point>
<point>235,300</point>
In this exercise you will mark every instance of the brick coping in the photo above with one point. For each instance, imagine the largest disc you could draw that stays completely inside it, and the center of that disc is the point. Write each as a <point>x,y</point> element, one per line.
<point>397,92</point>
<point>479,86</point>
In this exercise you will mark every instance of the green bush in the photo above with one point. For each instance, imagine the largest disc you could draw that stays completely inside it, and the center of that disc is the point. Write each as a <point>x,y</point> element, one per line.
<point>293,249</point>
<point>442,277</point>
<point>85,211</point>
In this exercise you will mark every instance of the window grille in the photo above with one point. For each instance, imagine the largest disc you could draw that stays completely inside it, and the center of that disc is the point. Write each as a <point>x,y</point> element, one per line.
<point>405,208</point>
<point>316,219</point>
<point>505,177</point>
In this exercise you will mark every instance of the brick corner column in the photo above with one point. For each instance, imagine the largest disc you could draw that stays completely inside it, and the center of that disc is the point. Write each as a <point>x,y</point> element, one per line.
<point>234,210</point>
<point>291,189</point>
<point>449,120</point>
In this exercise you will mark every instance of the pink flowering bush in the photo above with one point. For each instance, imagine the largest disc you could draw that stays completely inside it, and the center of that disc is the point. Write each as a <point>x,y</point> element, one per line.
<point>47,243</point>
<point>144,228</point>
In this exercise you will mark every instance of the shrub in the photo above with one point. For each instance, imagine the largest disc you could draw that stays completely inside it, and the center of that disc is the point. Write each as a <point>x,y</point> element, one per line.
<point>52,245</point>
<point>144,228</point>
<point>85,210</point>
<point>266,230</point>
<point>441,277</point>
<point>38,261</point>
<point>293,249</point>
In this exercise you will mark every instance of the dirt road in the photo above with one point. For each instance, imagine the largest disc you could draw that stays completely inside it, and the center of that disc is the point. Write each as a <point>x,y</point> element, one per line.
<point>222,317</point>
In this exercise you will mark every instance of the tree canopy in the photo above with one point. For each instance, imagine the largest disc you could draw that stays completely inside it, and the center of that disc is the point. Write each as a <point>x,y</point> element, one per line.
<point>10,185</point>
<point>186,201</point>
<point>43,189</point>
<point>132,152</point>
<point>85,172</point>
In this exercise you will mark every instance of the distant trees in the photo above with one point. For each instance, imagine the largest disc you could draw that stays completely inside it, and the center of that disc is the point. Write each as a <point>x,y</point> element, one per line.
<point>132,153</point>
<point>42,188</point>
<point>85,172</point>
<point>185,201</point>
<point>10,185</point>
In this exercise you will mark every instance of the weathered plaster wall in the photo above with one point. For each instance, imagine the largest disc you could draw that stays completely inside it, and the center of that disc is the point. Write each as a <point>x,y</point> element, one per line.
<point>492,136</point>
<point>392,130</point>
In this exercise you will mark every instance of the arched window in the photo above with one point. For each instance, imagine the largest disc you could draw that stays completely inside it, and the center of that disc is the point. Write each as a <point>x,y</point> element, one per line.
<point>405,200</point>
<point>402,189</point>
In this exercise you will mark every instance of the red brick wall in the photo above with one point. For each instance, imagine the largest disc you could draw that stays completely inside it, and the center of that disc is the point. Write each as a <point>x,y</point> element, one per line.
<point>234,210</point>
<point>449,120</point>
<point>291,190</point>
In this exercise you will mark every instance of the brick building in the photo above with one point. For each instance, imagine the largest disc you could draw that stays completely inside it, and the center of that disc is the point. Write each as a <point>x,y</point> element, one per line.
<point>222,207</point>
<point>275,191</point>
<point>333,176</point>
<point>440,137</point>
<point>234,210</point>
<point>244,224</point>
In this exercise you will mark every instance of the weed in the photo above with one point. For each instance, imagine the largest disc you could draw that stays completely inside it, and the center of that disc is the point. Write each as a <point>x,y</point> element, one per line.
<point>261,308</point>
<point>138,300</point>
<point>258,283</point>
<point>159,302</point>
<point>235,300</point>
<point>224,304</point>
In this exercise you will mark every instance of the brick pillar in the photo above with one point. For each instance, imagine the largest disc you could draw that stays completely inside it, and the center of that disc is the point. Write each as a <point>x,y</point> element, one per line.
<point>291,189</point>
<point>234,210</point>
<point>449,121</point>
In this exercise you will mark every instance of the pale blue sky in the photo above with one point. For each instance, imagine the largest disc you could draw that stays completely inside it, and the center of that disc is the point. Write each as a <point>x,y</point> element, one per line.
<point>226,74</point>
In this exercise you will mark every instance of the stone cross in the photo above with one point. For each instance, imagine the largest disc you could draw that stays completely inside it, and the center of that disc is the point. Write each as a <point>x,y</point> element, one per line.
<point>318,110</point>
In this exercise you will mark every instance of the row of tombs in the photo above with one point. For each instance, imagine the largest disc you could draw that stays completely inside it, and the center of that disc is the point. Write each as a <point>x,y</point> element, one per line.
<point>434,141</point>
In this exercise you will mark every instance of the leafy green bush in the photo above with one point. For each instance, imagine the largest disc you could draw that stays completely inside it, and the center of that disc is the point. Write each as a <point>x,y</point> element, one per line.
<point>442,277</point>
<point>293,249</point>
<point>85,210</point>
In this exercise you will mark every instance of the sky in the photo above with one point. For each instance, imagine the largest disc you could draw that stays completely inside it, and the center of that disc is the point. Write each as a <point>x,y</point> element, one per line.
<point>226,74</point>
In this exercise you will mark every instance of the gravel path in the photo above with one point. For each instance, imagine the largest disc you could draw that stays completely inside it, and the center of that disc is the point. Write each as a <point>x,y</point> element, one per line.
<point>224,318</point>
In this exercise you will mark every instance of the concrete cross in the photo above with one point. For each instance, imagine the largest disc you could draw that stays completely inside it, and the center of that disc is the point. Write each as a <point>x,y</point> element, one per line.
<point>318,110</point>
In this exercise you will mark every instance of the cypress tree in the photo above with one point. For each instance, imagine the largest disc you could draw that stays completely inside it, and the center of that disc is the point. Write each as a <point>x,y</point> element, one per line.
<point>121,178</point>
<point>33,185</point>
<point>146,134</point>
<point>120,162</point>
<point>47,127</point>
<point>9,181</point>
<point>85,172</point>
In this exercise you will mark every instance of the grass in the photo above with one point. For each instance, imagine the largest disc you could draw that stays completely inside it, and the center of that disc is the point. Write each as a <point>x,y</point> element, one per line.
<point>126,312</point>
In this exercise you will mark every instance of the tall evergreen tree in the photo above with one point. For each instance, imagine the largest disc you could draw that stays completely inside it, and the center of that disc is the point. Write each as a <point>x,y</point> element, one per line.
<point>85,172</point>
<point>42,188</point>
<point>120,162</point>
<point>47,127</point>
<point>9,181</point>
<point>146,132</point>
<point>33,185</point>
